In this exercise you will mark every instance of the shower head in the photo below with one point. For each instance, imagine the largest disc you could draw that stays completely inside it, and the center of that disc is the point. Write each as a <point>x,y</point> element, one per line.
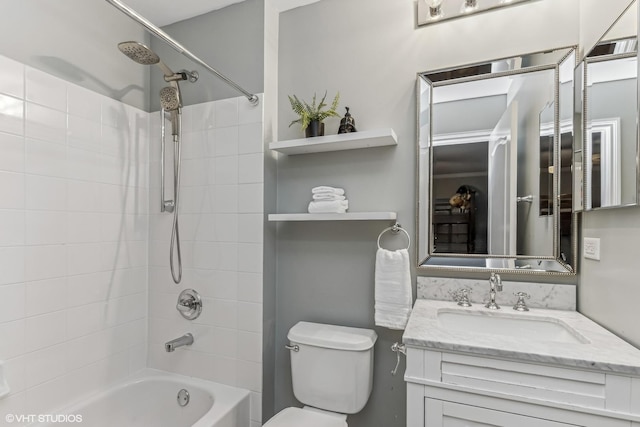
<point>170,101</point>
<point>139,53</point>
<point>143,55</point>
<point>170,98</point>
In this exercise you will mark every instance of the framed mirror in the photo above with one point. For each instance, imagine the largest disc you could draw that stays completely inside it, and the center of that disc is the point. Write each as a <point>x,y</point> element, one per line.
<point>610,111</point>
<point>495,153</point>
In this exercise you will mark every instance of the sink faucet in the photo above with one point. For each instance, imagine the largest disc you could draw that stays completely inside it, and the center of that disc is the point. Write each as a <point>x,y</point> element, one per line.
<point>495,284</point>
<point>186,339</point>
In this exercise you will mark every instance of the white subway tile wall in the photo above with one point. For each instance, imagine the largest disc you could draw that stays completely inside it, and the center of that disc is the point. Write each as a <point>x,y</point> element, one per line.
<point>86,296</point>
<point>221,227</point>
<point>73,239</point>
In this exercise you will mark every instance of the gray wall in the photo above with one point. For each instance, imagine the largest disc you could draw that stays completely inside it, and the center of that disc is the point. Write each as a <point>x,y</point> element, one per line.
<point>60,38</point>
<point>370,51</point>
<point>609,287</point>
<point>231,40</point>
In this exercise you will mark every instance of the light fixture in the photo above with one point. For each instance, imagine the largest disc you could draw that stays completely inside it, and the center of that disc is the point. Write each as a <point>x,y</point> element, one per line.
<point>469,6</point>
<point>435,9</point>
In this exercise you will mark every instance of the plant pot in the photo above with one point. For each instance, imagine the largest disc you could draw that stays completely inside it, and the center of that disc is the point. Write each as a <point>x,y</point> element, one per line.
<point>315,128</point>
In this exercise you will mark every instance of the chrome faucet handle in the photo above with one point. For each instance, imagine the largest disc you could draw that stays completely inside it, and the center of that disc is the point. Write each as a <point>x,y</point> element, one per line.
<point>189,304</point>
<point>521,305</point>
<point>463,297</point>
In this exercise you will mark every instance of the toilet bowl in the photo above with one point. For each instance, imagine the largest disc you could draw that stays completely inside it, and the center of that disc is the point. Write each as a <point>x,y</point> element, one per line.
<point>332,373</point>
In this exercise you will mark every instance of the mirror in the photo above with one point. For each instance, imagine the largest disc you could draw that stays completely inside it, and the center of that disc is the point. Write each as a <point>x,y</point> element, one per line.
<point>610,87</point>
<point>495,150</point>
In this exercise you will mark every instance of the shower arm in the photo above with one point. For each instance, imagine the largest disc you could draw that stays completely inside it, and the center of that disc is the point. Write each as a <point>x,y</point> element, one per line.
<point>178,47</point>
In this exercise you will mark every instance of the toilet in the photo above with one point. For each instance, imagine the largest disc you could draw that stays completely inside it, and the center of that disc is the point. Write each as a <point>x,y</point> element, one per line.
<point>332,374</point>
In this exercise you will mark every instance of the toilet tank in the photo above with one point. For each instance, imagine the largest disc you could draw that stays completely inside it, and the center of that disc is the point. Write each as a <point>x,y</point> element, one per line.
<point>333,367</point>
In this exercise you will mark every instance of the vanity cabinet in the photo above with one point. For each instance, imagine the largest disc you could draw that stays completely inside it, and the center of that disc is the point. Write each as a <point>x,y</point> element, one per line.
<point>451,414</point>
<point>451,389</point>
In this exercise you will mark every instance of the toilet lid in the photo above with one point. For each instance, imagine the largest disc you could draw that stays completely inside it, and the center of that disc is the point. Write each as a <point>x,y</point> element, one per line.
<point>297,417</point>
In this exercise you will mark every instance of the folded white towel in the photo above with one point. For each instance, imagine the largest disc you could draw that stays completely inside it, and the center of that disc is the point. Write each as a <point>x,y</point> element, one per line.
<point>328,206</point>
<point>323,196</point>
<point>328,190</point>
<point>393,297</point>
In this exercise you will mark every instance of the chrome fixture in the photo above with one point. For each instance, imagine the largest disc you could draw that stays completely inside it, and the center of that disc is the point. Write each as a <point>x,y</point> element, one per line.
<point>171,102</point>
<point>432,11</point>
<point>435,9</point>
<point>521,305</point>
<point>398,349</point>
<point>525,199</point>
<point>189,304</point>
<point>461,296</point>
<point>186,339</point>
<point>469,6</point>
<point>183,397</point>
<point>495,284</point>
<point>294,347</point>
<point>178,47</point>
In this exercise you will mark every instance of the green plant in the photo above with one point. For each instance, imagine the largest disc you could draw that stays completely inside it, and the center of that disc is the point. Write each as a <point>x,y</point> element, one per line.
<point>311,112</point>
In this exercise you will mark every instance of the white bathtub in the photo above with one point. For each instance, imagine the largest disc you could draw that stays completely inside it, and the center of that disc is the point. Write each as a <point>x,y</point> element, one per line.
<point>150,399</point>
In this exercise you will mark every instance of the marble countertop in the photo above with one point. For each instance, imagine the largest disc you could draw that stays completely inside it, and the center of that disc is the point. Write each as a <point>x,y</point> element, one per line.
<point>602,350</point>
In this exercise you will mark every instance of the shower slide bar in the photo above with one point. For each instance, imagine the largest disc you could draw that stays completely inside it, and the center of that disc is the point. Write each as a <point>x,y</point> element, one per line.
<point>178,47</point>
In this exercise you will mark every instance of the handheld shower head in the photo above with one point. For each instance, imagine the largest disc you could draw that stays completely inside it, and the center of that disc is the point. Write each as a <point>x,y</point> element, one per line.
<point>170,98</point>
<point>143,55</point>
<point>170,101</point>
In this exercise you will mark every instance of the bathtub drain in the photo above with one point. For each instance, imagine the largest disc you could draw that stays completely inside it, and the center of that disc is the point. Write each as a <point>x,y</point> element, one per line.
<point>183,397</point>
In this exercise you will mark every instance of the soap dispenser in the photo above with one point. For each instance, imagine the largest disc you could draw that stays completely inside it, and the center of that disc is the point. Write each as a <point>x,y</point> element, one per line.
<point>347,124</point>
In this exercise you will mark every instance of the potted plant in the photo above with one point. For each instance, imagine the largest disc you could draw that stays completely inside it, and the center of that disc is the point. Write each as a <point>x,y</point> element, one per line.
<point>311,116</point>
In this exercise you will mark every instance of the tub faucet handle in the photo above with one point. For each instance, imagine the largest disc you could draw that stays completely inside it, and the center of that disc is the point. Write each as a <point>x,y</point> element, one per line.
<point>189,304</point>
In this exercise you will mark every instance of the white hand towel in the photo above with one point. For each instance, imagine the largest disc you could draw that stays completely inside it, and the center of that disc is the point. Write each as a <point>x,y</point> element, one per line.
<point>329,206</point>
<point>323,196</point>
<point>327,189</point>
<point>392,289</point>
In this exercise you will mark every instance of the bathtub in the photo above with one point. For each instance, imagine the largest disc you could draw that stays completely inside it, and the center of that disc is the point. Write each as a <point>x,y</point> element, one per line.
<point>149,398</point>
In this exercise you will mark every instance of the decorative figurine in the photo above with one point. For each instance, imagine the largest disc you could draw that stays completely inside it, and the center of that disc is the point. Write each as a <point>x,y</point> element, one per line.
<point>347,124</point>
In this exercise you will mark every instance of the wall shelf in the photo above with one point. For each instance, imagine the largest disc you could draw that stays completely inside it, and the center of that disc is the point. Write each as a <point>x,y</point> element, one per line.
<point>345,141</point>
<point>349,216</point>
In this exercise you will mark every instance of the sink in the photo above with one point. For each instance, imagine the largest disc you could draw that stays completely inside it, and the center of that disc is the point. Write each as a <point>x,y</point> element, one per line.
<point>532,328</point>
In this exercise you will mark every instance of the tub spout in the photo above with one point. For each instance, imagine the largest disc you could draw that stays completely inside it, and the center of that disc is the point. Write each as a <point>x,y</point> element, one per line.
<point>186,339</point>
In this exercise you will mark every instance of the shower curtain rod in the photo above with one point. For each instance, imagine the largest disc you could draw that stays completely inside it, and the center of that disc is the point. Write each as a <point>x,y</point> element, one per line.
<point>178,47</point>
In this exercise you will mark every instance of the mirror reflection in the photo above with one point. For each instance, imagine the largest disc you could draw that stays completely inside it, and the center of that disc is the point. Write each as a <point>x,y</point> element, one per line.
<point>491,138</point>
<point>610,111</point>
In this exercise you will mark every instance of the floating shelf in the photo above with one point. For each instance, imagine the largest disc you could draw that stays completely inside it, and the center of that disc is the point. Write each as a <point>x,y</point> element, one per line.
<point>349,216</point>
<point>344,141</point>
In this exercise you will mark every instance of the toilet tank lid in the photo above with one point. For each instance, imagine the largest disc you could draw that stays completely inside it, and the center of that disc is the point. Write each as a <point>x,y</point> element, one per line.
<point>332,336</point>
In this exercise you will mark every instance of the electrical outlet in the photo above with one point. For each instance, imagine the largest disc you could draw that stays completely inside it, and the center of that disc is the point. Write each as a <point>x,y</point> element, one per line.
<point>591,248</point>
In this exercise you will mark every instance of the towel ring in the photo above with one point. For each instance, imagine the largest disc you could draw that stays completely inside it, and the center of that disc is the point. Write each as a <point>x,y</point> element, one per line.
<point>395,229</point>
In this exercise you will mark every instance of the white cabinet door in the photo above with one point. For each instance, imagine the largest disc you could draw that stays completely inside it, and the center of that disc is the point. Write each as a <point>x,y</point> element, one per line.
<point>439,413</point>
